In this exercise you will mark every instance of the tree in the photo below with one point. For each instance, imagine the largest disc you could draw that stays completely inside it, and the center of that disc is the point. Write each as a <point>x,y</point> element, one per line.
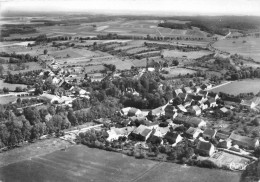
<point>1,70</point>
<point>72,118</point>
<point>45,51</point>
<point>6,90</point>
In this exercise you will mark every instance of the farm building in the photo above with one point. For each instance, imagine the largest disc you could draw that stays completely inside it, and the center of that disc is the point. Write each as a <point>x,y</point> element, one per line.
<point>244,141</point>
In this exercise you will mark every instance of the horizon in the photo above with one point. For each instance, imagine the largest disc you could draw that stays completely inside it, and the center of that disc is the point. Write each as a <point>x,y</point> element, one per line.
<point>134,7</point>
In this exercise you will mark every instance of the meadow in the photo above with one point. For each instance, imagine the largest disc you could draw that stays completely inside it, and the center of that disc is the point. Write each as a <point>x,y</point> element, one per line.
<point>175,71</point>
<point>245,46</point>
<point>189,55</point>
<point>237,87</point>
<point>10,86</point>
<point>80,163</point>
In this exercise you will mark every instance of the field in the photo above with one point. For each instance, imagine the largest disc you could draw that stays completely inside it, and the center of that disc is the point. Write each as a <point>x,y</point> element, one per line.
<point>121,27</point>
<point>31,66</point>
<point>7,99</point>
<point>238,87</point>
<point>250,48</point>
<point>189,55</point>
<point>10,86</point>
<point>80,163</point>
<point>173,72</point>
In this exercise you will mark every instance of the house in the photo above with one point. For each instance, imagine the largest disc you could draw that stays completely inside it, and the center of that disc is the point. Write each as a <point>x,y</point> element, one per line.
<point>160,111</point>
<point>134,112</point>
<point>161,131</point>
<point>193,132</point>
<point>141,133</point>
<point>244,141</point>
<point>131,111</point>
<point>154,139</point>
<point>203,104</point>
<point>196,89</point>
<point>209,133</point>
<point>226,144</point>
<point>181,108</point>
<point>183,96</point>
<point>197,122</point>
<point>206,86</point>
<point>177,92</point>
<point>205,148</point>
<point>187,90</point>
<point>170,111</point>
<point>195,110</point>
<point>251,103</point>
<point>221,134</point>
<point>213,95</point>
<point>172,138</point>
<point>187,102</point>
<point>203,93</point>
<point>223,110</point>
<point>211,102</point>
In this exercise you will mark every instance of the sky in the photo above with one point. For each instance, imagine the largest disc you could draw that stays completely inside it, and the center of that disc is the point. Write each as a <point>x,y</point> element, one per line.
<point>157,7</point>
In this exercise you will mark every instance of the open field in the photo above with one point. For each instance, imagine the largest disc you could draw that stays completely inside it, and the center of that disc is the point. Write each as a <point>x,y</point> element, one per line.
<point>10,86</point>
<point>31,66</point>
<point>189,55</point>
<point>250,48</point>
<point>7,99</point>
<point>121,27</point>
<point>80,163</point>
<point>175,71</point>
<point>238,87</point>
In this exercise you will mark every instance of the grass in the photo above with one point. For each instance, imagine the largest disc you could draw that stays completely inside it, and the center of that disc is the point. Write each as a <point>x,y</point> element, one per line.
<point>238,87</point>
<point>189,55</point>
<point>173,72</point>
<point>80,163</point>
<point>32,66</point>
<point>251,48</point>
<point>7,99</point>
<point>10,86</point>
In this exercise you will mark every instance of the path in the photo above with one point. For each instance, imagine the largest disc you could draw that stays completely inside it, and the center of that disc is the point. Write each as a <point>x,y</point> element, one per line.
<point>220,85</point>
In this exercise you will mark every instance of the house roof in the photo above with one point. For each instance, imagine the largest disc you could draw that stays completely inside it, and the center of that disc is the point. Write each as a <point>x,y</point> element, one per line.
<point>211,100</point>
<point>178,91</point>
<point>205,146</point>
<point>196,108</point>
<point>212,94</point>
<point>142,130</point>
<point>203,92</point>
<point>210,132</point>
<point>222,134</point>
<point>187,89</point>
<point>171,136</point>
<point>243,139</point>
<point>182,108</point>
<point>196,121</point>
<point>223,109</point>
<point>193,130</point>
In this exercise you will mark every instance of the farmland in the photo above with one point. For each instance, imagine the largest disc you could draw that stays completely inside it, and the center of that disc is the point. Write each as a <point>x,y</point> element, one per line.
<point>189,55</point>
<point>249,47</point>
<point>10,86</point>
<point>237,87</point>
<point>174,72</point>
<point>80,163</point>
<point>7,99</point>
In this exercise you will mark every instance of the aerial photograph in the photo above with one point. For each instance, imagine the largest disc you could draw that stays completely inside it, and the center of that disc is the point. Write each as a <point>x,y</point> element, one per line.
<point>129,90</point>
